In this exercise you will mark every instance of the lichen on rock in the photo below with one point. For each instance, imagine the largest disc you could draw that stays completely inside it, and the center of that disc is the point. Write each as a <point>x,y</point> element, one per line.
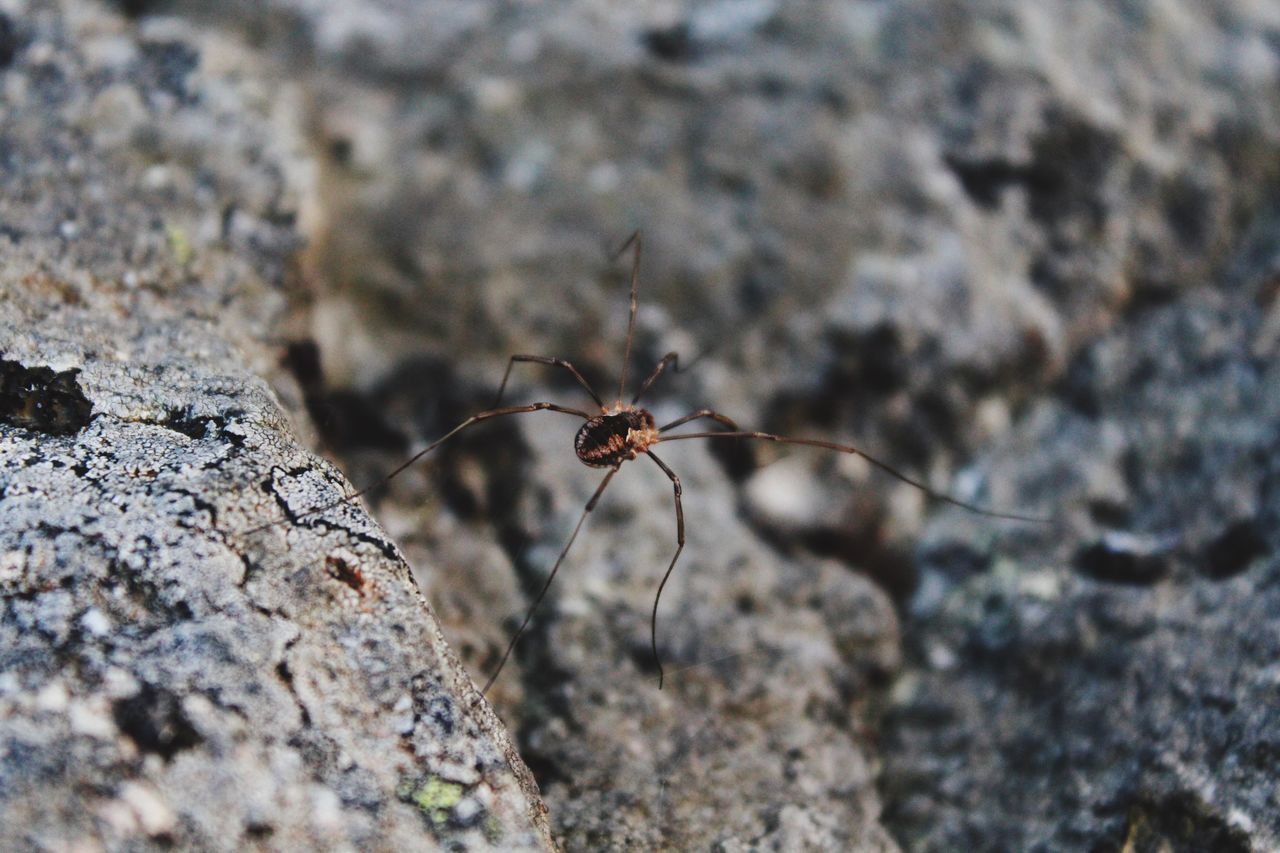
<point>167,677</point>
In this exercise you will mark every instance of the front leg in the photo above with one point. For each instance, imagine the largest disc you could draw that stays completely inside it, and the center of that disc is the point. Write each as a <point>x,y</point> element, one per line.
<point>544,359</point>
<point>724,421</point>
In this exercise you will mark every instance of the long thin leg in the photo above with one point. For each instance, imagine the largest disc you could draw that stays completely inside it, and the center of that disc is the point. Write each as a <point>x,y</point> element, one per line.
<point>848,448</point>
<point>701,413</point>
<point>543,359</point>
<point>591,504</point>
<point>474,419</point>
<point>634,240</point>
<point>670,358</point>
<point>653,618</point>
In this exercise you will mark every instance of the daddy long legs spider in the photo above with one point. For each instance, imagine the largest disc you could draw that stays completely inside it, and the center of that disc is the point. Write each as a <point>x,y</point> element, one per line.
<point>622,431</point>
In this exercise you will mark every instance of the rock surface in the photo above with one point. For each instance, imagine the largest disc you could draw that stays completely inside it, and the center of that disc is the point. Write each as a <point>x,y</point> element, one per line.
<point>1113,684</point>
<point>1018,238</point>
<point>168,677</point>
<point>1023,251</point>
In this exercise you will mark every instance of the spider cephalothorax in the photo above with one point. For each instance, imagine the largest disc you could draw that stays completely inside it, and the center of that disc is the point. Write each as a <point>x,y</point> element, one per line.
<point>615,436</point>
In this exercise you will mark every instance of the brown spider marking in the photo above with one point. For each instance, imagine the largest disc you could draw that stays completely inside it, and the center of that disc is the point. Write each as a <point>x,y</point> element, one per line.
<point>616,436</point>
<point>625,431</point>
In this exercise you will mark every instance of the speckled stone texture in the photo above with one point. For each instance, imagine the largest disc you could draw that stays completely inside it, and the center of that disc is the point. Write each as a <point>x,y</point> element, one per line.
<point>1018,249</point>
<point>1113,683</point>
<point>169,679</point>
<point>1025,251</point>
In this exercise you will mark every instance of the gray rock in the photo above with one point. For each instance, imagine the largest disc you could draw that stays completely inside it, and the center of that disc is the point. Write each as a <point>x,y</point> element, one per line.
<point>943,230</point>
<point>168,675</point>
<point>1111,682</point>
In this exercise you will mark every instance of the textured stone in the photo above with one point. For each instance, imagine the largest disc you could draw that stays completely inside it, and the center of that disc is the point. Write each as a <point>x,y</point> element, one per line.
<point>999,244</point>
<point>168,676</point>
<point>1080,708</point>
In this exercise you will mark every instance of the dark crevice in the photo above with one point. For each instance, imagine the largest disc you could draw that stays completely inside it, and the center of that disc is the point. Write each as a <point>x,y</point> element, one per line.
<point>201,427</point>
<point>1063,177</point>
<point>181,422</point>
<point>259,831</point>
<point>347,420</point>
<point>314,520</point>
<point>439,401</point>
<point>865,549</point>
<point>985,180</point>
<point>286,676</point>
<point>672,44</point>
<point>1115,562</point>
<point>1234,550</point>
<point>139,8</point>
<point>153,718</point>
<point>10,42</point>
<point>200,503</point>
<point>736,456</point>
<point>39,399</point>
<point>545,767</point>
<point>387,548</point>
<point>268,485</point>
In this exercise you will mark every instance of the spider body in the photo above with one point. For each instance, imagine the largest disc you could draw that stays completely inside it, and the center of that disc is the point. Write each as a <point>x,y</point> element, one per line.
<point>615,436</point>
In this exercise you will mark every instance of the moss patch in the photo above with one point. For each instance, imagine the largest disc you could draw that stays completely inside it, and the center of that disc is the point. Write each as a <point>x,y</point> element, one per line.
<point>433,796</point>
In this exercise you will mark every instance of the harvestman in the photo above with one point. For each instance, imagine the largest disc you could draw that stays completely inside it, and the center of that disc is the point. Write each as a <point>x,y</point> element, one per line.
<point>622,432</point>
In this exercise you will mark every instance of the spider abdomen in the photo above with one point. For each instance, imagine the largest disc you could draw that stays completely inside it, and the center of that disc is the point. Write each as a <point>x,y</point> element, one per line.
<point>610,439</point>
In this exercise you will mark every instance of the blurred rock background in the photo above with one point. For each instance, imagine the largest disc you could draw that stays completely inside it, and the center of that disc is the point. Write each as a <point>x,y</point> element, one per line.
<point>1026,252</point>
